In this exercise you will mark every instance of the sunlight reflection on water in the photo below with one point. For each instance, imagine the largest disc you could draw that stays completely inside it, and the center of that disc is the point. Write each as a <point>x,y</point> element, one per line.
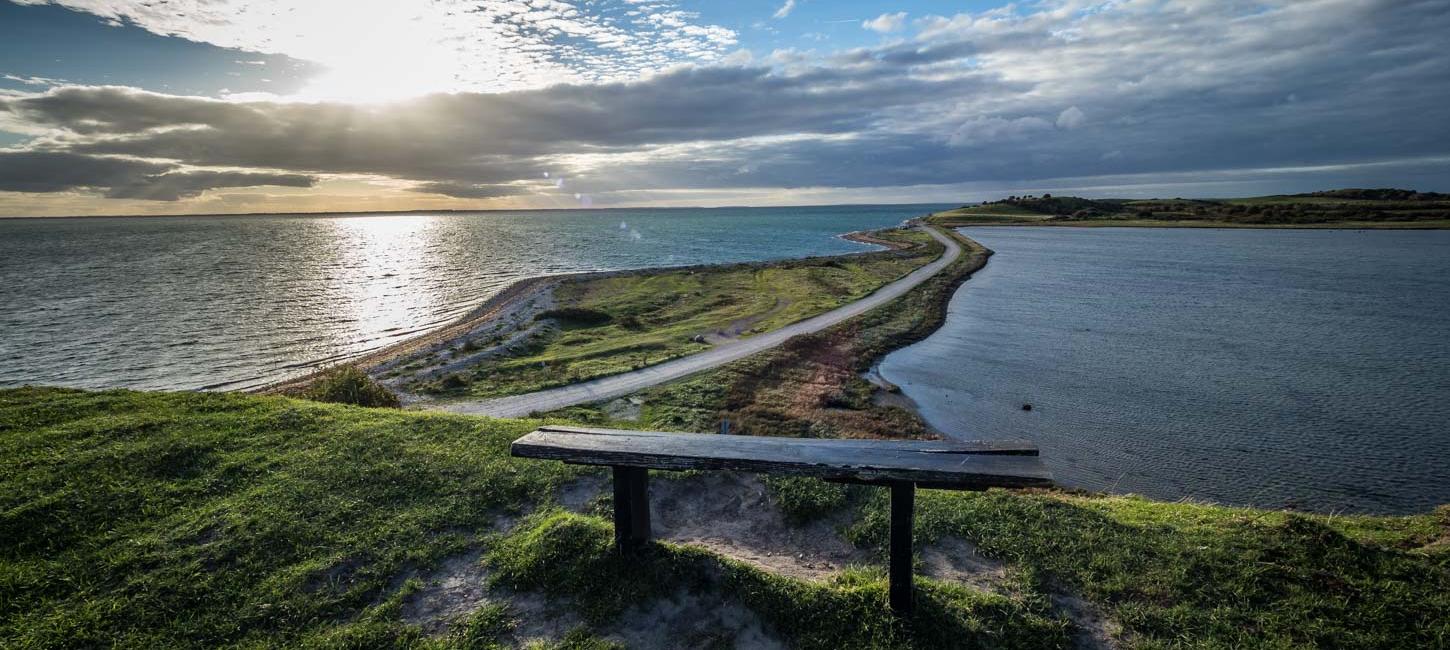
<point>226,302</point>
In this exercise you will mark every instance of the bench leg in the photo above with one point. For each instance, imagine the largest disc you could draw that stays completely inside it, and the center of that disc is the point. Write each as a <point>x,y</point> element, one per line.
<point>903,505</point>
<point>631,507</point>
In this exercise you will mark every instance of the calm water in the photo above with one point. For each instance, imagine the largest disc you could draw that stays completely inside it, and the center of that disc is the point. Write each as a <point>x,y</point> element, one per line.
<point>1305,368</point>
<point>229,302</point>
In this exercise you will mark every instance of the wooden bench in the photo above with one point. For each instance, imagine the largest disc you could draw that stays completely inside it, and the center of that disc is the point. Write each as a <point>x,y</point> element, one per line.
<point>901,465</point>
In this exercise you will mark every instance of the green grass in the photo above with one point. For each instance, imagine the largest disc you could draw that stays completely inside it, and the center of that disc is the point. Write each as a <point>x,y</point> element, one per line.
<point>636,320</point>
<point>1423,224</point>
<point>810,386</point>
<point>1390,209</point>
<point>571,556</point>
<point>216,520</point>
<point>1185,575</point>
<point>175,519</point>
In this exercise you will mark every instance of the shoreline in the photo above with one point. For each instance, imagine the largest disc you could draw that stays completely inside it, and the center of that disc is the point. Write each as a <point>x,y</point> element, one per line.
<point>815,385</point>
<point>514,303</point>
<point>609,387</point>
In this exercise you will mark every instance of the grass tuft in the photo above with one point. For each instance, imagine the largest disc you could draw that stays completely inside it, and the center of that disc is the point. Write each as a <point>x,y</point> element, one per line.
<point>350,385</point>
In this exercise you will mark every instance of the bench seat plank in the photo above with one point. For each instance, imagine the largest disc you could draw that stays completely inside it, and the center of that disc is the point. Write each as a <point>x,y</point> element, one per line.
<point>1006,447</point>
<point>929,463</point>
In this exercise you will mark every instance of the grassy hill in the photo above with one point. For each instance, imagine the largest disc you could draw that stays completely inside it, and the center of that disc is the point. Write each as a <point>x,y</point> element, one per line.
<point>1359,208</point>
<point>220,520</point>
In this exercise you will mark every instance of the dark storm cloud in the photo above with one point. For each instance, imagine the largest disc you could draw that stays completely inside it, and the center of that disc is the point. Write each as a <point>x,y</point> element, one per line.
<point>473,138</point>
<point>1063,92</point>
<point>179,185</point>
<point>468,190</point>
<point>121,178</point>
<point>38,171</point>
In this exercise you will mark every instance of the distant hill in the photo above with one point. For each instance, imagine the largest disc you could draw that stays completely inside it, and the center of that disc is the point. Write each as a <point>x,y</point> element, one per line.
<point>1379,194</point>
<point>1387,207</point>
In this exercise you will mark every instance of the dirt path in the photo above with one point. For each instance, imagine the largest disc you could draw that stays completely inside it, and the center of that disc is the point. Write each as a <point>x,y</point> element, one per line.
<point>622,384</point>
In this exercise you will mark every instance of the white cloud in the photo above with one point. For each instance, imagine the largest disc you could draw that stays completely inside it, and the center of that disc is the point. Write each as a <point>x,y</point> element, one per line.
<point>886,23</point>
<point>985,98</point>
<point>34,81</point>
<point>987,130</point>
<point>1071,118</point>
<point>784,10</point>
<point>387,49</point>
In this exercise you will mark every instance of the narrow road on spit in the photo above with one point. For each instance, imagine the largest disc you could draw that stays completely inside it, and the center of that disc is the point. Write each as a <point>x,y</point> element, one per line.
<point>613,386</point>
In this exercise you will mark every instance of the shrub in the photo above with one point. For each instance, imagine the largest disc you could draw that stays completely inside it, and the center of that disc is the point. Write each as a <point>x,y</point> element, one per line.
<point>577,316</point>
<point>454,381</point>
<point>350,385</point>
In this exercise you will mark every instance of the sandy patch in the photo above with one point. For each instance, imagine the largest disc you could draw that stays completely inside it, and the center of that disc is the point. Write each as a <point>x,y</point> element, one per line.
<point>691,620</point>
<point>957,560</point>
<point>732,514</point>
<point>681,620</point>
<point>1093,630</point>
<point>458,588</point>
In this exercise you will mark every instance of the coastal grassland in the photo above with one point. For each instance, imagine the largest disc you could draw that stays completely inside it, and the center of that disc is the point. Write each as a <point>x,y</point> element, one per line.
<point>810,386</point>
<point>202,519</point>
<point>224,520</point>
<point>605,326</point>
<point>1192,575</point>
<point>1351,208</point>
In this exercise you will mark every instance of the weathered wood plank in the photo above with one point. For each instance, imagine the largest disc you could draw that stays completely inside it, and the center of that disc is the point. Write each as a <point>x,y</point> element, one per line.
<point>828,459</point>
<point>1004,447</point>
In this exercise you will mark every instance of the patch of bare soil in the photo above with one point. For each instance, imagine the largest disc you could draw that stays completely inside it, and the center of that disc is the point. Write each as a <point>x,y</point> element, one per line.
<point>578,494</point>
<point>740,326</point>
<point>957,560</point>
<point>1092,629</point>
<point>691,620</point>
<point>732,514</point>
<point>681,620</point>
<point>625,408</point>
<point>458,588</point>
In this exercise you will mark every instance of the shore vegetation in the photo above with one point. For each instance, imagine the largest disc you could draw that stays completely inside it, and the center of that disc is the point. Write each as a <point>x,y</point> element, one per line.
<point>224,520</point>
<point>602,326</point>
<point>348,384</point>
<point>814,385</point>
<point>1344,208</point>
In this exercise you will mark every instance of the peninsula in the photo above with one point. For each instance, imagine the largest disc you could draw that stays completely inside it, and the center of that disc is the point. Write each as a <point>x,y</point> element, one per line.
<point>166,519</point>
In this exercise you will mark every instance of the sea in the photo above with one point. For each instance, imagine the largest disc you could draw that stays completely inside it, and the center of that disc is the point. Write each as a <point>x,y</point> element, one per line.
<point>1306,369</point>
<point>233,302</point>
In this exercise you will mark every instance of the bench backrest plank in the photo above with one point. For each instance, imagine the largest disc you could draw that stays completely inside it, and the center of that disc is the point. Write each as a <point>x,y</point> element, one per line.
<point>930,463</point>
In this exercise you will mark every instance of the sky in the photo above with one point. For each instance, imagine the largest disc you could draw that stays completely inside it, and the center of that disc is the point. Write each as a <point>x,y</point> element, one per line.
<point>233,106</point>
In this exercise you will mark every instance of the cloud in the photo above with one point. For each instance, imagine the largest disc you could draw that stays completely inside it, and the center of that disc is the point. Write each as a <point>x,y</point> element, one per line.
<point>386,50</point>
<point>784,10</point>
<point>179,185</point>
<point>468,190</point>
<point>33,81</point>
<point>886,23</point>
<point>985,130</point>
<point>44,171</point>
<point>58,171</point>
<point>470,138</point>
<point>1071,118</point>
<point>971,98</point>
